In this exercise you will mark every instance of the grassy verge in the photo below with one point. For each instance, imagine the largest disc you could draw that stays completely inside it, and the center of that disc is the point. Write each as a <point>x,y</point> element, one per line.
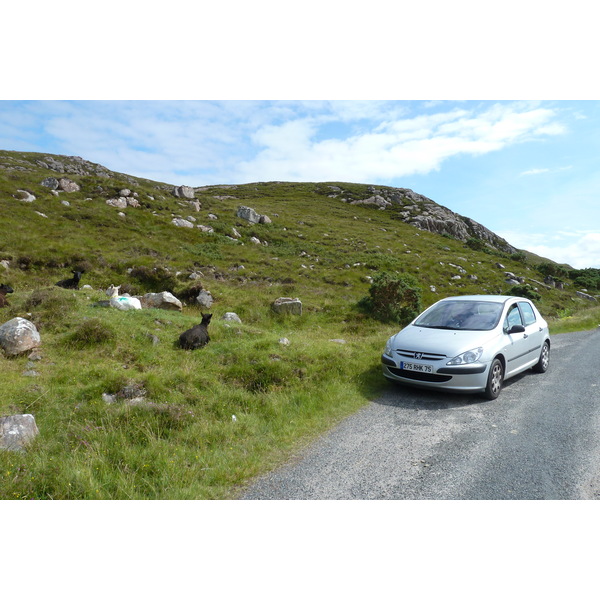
<point>180,441</point>
<point>583,320</point>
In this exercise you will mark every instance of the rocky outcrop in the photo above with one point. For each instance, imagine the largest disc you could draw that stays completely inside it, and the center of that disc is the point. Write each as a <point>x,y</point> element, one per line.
<point>423,213</point>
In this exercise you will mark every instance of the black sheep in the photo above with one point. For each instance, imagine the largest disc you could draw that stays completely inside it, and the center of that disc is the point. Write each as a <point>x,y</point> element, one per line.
<point>4,289</point>
<point>72,283</point>
<point>197,336</point>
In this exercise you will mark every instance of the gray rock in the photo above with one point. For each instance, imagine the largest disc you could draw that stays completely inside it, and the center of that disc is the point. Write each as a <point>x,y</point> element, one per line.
<point>67,185</point>
<point>248,214</point>
<point>290,306</point>
<point>120,202</point>
<point>164,300</point>
<point>50,182</point>
<point>19,335</point>
<point>16,431</point>
<point>586,296</point>
<point>183,191</point>
<point>231,316</point>
<point>24,196</point>
<point>182,223</point>
<point>205,299</point>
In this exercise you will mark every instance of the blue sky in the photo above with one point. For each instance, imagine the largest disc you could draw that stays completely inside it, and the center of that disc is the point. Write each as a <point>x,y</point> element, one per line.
<point>528,170</point>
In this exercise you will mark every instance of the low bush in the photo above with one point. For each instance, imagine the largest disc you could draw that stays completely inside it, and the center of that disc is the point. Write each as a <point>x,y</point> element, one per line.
<point>91,332</point>
<point>393,298</point>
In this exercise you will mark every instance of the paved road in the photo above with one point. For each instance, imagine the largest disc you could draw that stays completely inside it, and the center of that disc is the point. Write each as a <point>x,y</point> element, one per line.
<point>539,440</point>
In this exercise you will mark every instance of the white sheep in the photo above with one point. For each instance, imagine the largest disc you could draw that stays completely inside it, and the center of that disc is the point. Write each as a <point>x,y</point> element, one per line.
<point>122,302</point>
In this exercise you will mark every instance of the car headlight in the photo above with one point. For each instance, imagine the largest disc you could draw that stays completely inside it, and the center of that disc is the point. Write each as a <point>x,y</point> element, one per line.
<point>389,348</point>
<point>470,356</point>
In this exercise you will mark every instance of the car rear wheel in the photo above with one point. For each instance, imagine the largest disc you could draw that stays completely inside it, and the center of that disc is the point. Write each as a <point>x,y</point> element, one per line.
<point>544,362</point>
<point>495,380</point>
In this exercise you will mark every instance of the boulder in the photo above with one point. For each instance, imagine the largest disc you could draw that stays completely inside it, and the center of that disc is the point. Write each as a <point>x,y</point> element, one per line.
<point>248,214</point>
<point>290,306</point>
<point>50,182</point>
<point>205,299</point>
<point>120,202</point>
<point>16,431</point>
<point>182,223</point>
<point>19,335</point>
<point>24,196</point>
<point>183,191</point>
<point>66,185</point>
<point>164,300</point>
<point>231,316</point>
<point>586,296</point>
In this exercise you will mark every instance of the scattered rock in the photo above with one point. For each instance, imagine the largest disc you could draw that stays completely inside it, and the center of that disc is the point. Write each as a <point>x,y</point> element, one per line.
<point>205,299</point>
<point>231,316</point>
<point>16,431</point>
<point>249,214</point>
<point>586,296</point>
<point>164,300</point>
<point>66,185</point>
<point>24,196</point>
<point>50,182</point>
<point>18,335</point>
<point>183,191</point>
<point>182,223</point>
<point>290,306</point>
<point>117,202</point>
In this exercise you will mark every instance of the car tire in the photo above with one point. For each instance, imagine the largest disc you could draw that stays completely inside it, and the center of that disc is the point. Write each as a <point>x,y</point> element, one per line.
<point>544,362</point>
<point>495,380</point>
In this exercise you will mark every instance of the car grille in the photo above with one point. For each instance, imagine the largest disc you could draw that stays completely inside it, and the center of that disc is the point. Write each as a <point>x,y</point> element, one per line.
<point>423,355</point>
<point>432,377</point>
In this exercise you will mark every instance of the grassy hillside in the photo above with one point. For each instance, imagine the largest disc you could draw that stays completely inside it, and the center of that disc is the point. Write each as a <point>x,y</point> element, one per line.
<point>178,438</point>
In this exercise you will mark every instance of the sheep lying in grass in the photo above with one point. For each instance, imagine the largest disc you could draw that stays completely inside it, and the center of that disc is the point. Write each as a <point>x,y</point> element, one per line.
<point>122,302</point>
<point>5,289</point>
<point>197,336</point>
<point>72,283</point>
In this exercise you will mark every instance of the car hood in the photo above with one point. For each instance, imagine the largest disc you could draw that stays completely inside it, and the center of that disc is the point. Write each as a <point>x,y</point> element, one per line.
<point>449,342</point>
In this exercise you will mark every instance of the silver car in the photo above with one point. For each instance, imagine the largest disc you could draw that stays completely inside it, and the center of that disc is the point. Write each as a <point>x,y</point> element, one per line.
<point>469,344</point>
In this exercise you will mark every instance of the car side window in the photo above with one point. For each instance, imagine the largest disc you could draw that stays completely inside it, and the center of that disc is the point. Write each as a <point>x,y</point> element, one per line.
<point>513,317</point>
<point>528,314</point>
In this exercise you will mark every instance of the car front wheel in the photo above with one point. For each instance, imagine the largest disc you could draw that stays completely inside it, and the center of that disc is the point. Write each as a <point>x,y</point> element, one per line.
<point>495,379</point>
<point>542,364</point>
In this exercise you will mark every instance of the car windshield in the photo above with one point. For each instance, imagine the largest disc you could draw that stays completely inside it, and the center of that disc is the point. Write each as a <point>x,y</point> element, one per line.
<point>471,315</point>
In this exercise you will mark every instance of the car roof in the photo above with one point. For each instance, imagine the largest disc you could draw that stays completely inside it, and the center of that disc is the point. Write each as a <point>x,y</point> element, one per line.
<point>485,298</point>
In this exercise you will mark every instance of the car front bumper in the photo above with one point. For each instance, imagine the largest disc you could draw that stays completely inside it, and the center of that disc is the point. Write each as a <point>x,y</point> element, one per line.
<point>471,378</point>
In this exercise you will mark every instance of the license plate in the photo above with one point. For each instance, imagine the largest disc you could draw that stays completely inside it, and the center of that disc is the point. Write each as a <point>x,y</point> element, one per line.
<point>415,367</point>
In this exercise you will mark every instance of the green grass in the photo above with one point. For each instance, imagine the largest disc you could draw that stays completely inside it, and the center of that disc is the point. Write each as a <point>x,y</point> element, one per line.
<point>181,441</point>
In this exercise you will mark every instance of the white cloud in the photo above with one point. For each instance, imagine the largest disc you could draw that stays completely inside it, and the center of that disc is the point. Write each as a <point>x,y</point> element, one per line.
<point>580,249</point>
<point>545,170</point>
<point>391,148</point>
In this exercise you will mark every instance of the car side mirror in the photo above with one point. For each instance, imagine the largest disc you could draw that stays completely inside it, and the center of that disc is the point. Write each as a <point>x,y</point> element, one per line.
<point>516,329</point>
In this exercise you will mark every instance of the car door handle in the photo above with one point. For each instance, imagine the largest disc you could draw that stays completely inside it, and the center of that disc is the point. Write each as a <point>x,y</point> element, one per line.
<point>525,336</point>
